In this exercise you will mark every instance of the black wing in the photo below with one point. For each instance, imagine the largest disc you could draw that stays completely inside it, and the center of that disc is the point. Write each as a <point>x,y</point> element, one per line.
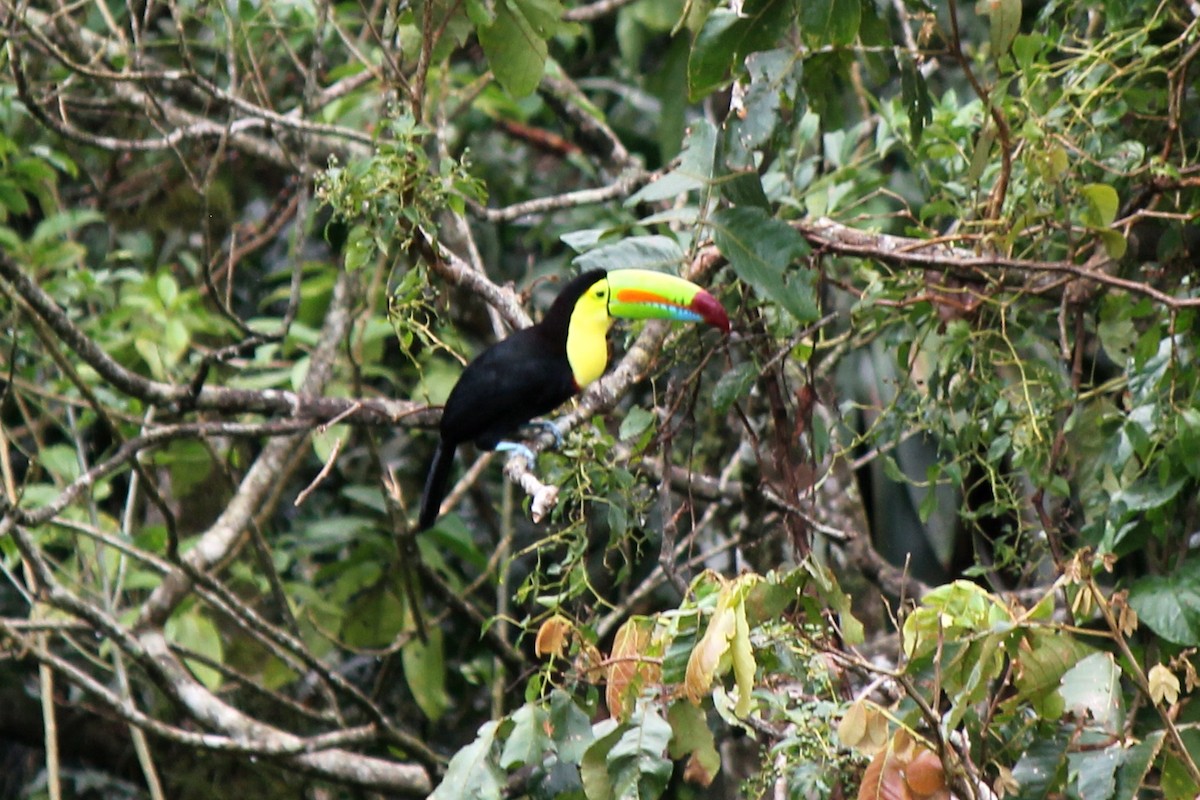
<point>509,384</point>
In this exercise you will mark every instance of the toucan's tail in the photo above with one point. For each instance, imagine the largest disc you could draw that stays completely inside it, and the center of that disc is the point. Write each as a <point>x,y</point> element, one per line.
<point>435,484</point>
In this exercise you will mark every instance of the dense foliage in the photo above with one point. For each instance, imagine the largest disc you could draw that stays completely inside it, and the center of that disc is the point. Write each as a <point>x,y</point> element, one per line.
<point>922,524</point>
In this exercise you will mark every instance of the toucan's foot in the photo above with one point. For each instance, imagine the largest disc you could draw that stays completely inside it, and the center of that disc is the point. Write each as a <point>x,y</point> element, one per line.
<point>546,426</point>
<point>518,448</point>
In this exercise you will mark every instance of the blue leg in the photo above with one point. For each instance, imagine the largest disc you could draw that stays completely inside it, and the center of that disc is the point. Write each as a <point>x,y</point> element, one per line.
<point>518,448</point>
<point>546,426</point>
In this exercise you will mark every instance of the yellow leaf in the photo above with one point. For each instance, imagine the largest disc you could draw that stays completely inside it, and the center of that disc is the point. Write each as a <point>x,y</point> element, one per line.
<point>743,658</point>
<point>864,728</point>
<point>1164,686</point>
<point>706,656</point>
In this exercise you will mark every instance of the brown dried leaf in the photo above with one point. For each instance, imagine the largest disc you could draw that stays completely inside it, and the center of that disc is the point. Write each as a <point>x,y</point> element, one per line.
<point>625,678</point>
<point>925,775</point>
<point>883,779</point>
<point>552,637</point>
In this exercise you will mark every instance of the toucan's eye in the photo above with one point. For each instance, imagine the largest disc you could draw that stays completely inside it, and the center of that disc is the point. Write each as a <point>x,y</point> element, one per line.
<point>599,293</point>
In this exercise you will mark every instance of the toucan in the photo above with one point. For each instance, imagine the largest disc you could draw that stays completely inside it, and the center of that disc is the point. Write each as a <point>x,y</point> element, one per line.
<point>538,368</point>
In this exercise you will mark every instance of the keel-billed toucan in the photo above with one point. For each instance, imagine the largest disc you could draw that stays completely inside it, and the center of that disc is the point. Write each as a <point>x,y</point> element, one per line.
<point>538,368</point>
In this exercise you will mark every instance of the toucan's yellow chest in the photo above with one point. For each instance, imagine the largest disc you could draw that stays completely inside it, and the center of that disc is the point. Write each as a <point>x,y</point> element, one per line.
<point>587,336</point>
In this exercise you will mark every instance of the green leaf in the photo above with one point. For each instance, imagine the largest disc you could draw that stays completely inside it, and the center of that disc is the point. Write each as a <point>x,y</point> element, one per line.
<point>61,461</point>
<point>1091,691</point>
<point>514,41</point>
<point>734,385</point>
<point>636,422</point>
<point>644,252</point>
<point>193,630</point>
<point>1042,664</point>
<point>1095,771</point>
<point>830,21</point>
<point>58,225</point>
<point>1101,204</point>
<point>425,673</point>
<point>593,768</point>
<point>695,170</point>
<point>373,618</point>
<point>473,772</point>
<point>1115,243</point>
<point>360,248</point>
<point>1170,604</point>
<point>691,737</point>
<point>914,91</point>
<point>763,252</point>
<point>1005,18</point>
<point>570,729</point>
<point>1038,771</point>
<point>727,37</point>
<point>528,742</point>
<point>1136,764</point>
<point>637,762</point>
<point>744,665</point>
<point>12,199</point>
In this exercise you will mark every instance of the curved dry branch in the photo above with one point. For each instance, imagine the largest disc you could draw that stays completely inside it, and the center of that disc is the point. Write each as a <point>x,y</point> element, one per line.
<point>839,239</point>
<point>623,186</point>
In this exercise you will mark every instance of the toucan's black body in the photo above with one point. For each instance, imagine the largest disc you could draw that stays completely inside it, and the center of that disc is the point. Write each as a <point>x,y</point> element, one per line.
<point>510,383</point>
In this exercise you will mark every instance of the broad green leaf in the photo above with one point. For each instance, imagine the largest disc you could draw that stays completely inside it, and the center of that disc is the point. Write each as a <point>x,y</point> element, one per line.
<point>695,170</point>
<point>1115,243</point>
<point>1091,691</point>
<point>192,629</point>
<point>515,41</point>
<point>948,612</point>
<point>643,252</point>
<point>425,672</point>
<point>12,199</point>
<point>1040,767</point>
<point>1040,667</point>
<point>691,737</point>
<point>727,37</point>
<point>764,253</point>
<point>734,385</point>
<point>1095,771</point>
<point>1101,204</point>
<point>570,729</point>
<point>63,223</point>
<point>637,763</point>
<point>636,422</point>
<point>527,743</point>
<point>374,617</point>
<point>830,21</point>
<point>360,248</point>
<point>324,441</point>
<point>1147,494</point>
<point>61,461</point>
<point>1170,604</point>
<point>1135,765</point>
<point>1004,17</point>
<point>473,772</point>
<point>594,768</point>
